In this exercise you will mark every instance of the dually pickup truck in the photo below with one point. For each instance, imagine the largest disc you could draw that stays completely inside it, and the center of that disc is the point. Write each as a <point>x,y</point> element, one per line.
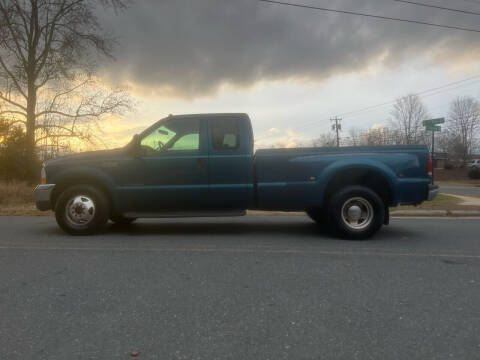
<point>205,165</point>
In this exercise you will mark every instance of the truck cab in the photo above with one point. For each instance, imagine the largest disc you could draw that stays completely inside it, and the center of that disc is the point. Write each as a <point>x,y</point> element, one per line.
<point>187,164</point>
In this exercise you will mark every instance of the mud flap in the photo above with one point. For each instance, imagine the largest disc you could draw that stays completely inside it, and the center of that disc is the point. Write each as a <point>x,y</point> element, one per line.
<point>387,216</point>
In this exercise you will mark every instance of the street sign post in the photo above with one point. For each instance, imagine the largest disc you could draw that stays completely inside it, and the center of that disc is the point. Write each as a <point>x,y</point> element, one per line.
<point>433,125</point>
<point>433,122</point>
<point>433,128</point>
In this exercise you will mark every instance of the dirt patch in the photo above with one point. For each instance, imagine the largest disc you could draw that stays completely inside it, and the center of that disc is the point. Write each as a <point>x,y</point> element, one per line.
<point>16,193</point>
<point>16,198</point>
<point>23,210</point>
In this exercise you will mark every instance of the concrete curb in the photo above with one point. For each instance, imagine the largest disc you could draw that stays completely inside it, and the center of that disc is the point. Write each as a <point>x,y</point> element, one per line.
<point>426,213</point>
<point>419,213</point>
<point>394,213</point>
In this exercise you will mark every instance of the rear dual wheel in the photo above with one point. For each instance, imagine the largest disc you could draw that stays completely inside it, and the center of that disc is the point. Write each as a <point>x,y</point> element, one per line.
<point>354,212</point>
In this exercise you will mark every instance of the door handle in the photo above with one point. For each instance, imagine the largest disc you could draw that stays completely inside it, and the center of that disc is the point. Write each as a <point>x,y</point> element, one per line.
<point>202,163</point>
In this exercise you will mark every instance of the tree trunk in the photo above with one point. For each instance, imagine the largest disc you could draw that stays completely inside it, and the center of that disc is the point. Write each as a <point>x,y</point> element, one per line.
<point>30,133</point>
<point>30,154</point>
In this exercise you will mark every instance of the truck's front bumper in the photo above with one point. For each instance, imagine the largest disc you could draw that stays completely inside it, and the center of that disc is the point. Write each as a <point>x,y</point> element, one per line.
<point>43,195</point>
<point>432,192</point>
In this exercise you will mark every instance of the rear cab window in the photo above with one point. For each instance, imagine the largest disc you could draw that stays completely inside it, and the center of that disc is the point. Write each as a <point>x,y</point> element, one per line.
<point>225,134</point>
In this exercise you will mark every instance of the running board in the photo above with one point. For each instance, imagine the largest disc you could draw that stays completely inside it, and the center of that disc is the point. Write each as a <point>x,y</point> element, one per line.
<point>184,214</point>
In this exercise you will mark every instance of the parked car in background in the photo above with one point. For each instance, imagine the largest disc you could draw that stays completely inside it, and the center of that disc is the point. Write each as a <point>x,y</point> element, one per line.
<point>475,164</point>
<point>205,165</point>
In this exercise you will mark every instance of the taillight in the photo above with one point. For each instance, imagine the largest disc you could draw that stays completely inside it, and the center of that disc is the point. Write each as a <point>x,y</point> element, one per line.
<point>429,166</point>
<point>43,176</point>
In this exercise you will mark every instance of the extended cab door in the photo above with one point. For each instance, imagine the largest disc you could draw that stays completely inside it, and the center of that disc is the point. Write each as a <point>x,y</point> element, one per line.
<point>230,166</point>
<point>174,166</point>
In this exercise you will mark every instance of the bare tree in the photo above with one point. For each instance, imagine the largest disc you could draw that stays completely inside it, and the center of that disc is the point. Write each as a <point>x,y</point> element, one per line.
<point>376,136</point>
<point>325,140</point>
<point>4,128</point>
<point>408,114</point>
<point>463,125</point>
<point>47,65</point>
<point>356,137</point>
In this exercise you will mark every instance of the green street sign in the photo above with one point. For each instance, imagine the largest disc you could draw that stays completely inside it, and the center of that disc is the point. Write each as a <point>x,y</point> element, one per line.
<point>433,128</point>
<point>432,122</point>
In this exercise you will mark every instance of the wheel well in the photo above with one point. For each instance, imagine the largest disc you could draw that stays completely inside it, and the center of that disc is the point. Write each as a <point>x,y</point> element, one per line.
<point>360,176</point>
<point>66,183</point>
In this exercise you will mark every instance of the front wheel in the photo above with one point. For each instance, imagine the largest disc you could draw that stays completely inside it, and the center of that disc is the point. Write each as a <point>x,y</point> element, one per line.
<point>82,210</point>
<point>356,212</point>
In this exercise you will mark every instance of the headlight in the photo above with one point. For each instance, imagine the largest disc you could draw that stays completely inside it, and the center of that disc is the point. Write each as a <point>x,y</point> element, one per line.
<point>43,176</point>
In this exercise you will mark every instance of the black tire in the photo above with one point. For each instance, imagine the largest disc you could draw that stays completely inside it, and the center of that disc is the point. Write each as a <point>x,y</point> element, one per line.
<point>362,198</point>
<point>98,216</point>
<point>122,220</point>
<point>318,215</point>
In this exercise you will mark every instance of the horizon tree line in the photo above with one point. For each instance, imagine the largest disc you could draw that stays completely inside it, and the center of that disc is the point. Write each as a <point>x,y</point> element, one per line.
<point>460,135</point>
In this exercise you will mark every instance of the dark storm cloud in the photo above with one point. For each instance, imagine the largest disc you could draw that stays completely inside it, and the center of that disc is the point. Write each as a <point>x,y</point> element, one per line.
<point>190,47</point>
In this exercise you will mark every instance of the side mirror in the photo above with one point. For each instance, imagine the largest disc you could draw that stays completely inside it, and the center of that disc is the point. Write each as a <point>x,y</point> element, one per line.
<point>134,146</point>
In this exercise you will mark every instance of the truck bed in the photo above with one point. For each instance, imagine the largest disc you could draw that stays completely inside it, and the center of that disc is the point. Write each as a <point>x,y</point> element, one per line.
<point>295,177</point>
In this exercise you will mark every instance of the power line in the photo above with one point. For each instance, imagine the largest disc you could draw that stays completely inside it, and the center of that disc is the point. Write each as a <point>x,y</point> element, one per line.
<point>438,7</point>
<point>421,94</point>
<point>369,15</point>
<point>477,2</point>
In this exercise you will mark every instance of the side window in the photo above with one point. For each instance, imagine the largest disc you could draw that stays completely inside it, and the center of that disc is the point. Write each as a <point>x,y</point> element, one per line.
<point>173,135</point>
<point>224,134</point>
<point>156,140</point>
<point>187,142</point>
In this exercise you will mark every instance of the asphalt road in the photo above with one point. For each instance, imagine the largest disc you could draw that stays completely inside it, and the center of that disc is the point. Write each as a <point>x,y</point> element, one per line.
<point>460,190</point>
<point>257,287</point>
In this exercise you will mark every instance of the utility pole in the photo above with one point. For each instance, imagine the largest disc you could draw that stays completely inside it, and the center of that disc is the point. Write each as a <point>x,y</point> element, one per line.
<point>337,127</point>
<point>433,157</point>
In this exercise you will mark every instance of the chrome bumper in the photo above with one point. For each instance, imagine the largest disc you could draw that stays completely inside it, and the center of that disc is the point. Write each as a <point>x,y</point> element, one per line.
<point>432,192</point>
<point>42,195</point>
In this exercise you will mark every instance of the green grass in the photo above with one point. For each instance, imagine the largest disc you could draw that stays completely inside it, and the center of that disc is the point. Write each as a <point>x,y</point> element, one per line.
<point>441,202</point>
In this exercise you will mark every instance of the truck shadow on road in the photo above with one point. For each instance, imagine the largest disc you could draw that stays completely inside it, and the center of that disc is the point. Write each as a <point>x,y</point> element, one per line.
<point>215,229</point>
<point>286,230</point>
<point>297,231</point>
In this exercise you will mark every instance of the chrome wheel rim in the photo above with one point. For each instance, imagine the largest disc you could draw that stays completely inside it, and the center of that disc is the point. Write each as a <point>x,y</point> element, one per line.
<point>80,210</point>
<point>357,213</point>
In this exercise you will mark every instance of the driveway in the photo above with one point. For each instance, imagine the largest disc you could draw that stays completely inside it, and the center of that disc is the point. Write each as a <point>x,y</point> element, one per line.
<point>466,190</point>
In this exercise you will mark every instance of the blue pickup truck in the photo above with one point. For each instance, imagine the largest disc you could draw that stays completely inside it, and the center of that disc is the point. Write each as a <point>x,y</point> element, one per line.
<point>205,165</point>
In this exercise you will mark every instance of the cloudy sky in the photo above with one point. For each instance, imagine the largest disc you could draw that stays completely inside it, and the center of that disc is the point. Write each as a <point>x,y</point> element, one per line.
<point>290,68</point>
